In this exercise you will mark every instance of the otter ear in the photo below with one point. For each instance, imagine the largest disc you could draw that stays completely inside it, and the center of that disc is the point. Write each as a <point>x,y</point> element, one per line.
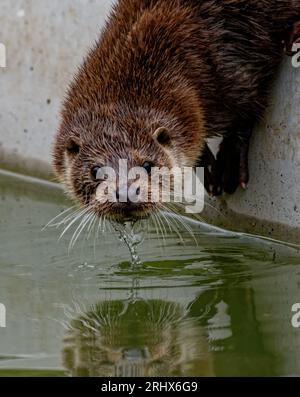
<point>162,136</point>
<point>72,146</point>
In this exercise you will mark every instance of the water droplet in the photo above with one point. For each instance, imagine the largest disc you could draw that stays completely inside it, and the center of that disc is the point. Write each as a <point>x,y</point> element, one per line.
<point>131,238</point>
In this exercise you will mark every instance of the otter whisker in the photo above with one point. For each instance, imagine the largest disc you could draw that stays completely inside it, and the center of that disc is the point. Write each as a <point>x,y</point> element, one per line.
<point>172,222</point>
<point>91,226</point>
<point>50,223</point>
<point>156,225</point>
<point>99,226</point>
<point>79,229</point>
<point>96,232</point>
<point>73,217</point>
<point>171,226</point>
<point>197,216</point>
<point>161,212</point>
<point>68,218</point>
<point>180,213</point>
<point>187,228</point>
<point>176,226</point>
<point>76,231</point>
<point>109,227</point>
<point>181,220</point>
<point>162,228</point>
<point>104,227</point>
<point>81,213</point>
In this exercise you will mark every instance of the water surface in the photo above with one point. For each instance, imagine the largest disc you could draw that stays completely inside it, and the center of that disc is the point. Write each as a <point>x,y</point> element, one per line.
<point>217,306</point>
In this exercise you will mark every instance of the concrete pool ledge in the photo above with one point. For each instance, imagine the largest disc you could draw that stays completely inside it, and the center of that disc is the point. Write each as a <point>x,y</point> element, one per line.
<point>271,205</point>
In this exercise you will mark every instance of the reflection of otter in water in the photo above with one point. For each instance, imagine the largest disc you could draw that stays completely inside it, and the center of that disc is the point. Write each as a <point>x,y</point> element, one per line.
<point>143,338</point>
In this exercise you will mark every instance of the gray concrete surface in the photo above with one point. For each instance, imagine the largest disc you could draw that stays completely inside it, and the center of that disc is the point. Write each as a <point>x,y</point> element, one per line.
<point>45,41</point>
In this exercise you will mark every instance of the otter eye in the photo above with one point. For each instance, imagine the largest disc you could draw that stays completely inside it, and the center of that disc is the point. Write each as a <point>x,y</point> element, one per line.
<point>95,171</point>
<point>148,166</point>
<point>73,147</point>
<point>162,136</point>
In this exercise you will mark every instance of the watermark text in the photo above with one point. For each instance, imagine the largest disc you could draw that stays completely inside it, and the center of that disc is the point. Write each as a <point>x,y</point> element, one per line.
<point>296,316</point>
<point>2,315</point>
<point>2,56</point>
<point>159,185</point>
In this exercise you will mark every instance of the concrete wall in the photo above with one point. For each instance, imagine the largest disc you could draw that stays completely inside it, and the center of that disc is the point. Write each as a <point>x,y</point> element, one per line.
<point>45,42</point>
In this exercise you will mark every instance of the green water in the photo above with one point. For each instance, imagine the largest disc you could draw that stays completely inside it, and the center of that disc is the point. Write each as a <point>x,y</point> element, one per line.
<point>215,307</point>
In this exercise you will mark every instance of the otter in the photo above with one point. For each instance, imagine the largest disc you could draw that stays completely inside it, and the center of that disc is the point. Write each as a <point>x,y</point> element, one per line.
<point>168,340</point>
<point>164,77</point>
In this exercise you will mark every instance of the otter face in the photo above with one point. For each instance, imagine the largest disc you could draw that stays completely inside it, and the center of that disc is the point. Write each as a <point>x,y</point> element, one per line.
<point>106,161</point>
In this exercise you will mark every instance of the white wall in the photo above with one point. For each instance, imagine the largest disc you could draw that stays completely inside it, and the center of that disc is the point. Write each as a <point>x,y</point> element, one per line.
<point>45,42</point>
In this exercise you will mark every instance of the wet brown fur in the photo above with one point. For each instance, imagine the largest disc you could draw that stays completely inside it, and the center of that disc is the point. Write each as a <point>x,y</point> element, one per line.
<point>199,68</point>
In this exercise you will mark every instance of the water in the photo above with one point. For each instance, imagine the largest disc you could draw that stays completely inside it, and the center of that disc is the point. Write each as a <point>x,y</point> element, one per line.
<point>131,239</point>
<point>216,308</point>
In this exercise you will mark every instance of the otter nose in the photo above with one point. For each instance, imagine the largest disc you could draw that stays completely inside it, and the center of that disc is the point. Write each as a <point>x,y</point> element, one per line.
<point>123,197</point>
<point>122,194</point>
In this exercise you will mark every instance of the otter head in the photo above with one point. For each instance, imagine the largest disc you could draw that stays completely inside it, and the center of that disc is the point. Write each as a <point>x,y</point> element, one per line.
<point>106,158</point>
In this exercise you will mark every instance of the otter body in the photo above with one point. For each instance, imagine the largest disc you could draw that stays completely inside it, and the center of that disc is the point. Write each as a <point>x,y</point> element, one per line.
<point>194,68</point>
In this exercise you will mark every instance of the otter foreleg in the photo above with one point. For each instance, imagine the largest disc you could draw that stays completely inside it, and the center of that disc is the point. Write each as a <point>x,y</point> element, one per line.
<point>227,169</point>
<point>232,163</point>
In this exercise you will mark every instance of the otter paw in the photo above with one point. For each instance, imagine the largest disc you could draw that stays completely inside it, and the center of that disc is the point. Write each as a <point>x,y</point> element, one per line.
<point>232,163</point>
<point>212,176</point>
